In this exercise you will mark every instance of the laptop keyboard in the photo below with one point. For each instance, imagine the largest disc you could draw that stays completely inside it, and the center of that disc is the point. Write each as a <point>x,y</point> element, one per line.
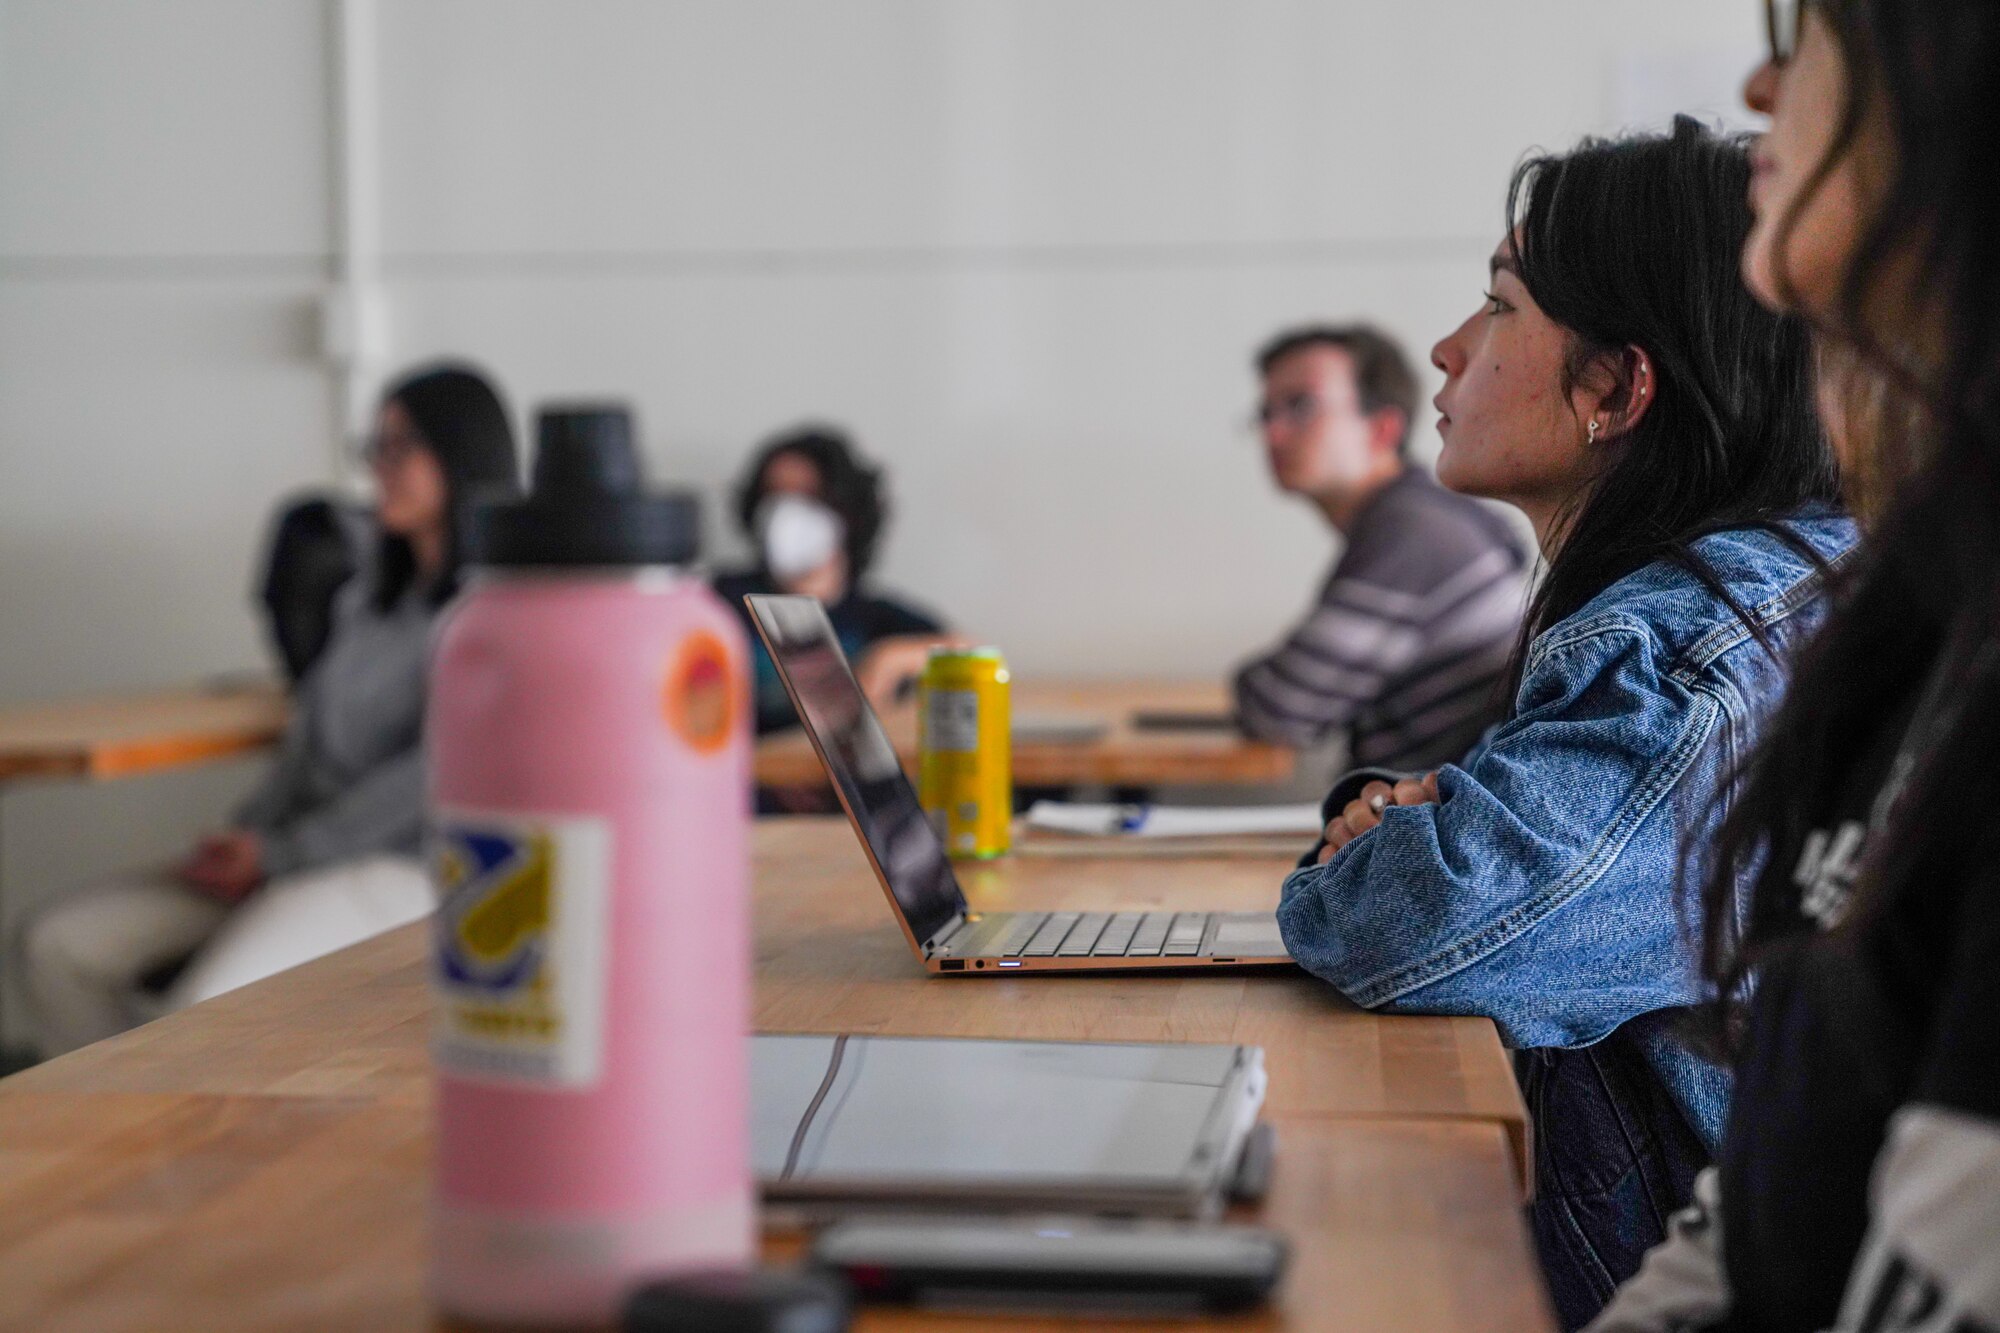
<point>1086,935</point>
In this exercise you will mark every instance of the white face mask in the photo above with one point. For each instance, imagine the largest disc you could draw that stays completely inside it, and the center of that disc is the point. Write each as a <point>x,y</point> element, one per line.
<point>798,535</point>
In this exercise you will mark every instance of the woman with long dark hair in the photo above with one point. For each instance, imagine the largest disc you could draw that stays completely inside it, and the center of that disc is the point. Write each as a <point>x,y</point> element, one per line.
<point>1656,426</point>
<point>1858,1186</point>
<point>324,852</point>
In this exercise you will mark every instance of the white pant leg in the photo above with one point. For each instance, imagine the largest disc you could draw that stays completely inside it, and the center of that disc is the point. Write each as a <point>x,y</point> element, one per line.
<point>83,956</point>
<point>302,917</point>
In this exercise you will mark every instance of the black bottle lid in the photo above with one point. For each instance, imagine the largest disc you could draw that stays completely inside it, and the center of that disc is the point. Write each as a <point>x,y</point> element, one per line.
<point>588,505</point>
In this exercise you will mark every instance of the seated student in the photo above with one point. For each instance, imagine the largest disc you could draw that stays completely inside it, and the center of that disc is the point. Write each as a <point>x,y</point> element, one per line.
<point>1656,426</point>
<point>1406,647</point>
<point>325,851</point>
<point>816,512</point>
<point>1858,1186</point>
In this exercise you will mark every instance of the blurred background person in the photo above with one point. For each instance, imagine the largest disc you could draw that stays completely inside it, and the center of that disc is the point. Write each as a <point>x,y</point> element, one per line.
<point>1407,643</point>
<point>815,510</point>
<point>325,852</point>
<point>1861,403</point>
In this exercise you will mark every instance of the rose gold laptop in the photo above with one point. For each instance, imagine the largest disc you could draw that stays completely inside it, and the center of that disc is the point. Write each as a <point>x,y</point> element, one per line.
<point>909,857</point>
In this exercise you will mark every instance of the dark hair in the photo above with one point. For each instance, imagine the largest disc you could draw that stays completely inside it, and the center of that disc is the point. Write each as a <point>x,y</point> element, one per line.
<point>1383,378</point>
<point>1917,625</point>
<point>1634,242</point>
<point>314,550</point>
<point>848,485</point>
<point>462,421</point>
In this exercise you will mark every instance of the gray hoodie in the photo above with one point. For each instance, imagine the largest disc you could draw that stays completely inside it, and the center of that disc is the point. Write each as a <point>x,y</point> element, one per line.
<point>349,777</point>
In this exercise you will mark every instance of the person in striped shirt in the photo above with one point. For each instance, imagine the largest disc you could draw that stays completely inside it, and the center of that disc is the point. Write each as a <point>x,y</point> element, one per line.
<point>1407,646</point>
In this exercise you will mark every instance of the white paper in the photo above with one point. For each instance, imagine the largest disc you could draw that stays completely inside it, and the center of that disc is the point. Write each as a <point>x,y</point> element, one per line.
<point>1175,821</point>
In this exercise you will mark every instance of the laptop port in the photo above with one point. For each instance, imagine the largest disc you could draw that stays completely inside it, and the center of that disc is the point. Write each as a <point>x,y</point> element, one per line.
<point>951,965</point>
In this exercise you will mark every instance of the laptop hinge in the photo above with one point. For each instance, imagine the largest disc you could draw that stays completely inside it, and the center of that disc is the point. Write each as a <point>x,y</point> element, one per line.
<point>945,932</point>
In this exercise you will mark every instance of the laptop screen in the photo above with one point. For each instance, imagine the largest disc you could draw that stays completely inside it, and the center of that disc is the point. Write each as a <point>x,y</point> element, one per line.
<point>860,759</point>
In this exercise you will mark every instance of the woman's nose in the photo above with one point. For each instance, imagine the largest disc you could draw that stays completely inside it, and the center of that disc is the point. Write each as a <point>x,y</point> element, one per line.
<point>1445,355</point>
<point>1760,94</point>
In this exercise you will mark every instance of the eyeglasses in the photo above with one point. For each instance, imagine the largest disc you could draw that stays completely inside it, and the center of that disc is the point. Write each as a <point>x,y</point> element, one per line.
<point>388,451</point>
<point>1296,411</point>
<point>1781,23</point>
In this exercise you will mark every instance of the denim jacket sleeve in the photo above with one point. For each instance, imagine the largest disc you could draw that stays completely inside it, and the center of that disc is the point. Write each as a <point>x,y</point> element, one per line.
<point>1541,889</point>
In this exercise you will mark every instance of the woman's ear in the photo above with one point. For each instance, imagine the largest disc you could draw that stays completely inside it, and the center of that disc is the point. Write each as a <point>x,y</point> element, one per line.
<point>1623,387</point>
<point>1387,428</point>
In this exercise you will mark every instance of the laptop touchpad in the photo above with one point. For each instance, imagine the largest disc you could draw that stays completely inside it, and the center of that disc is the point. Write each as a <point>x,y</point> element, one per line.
<point>1247,936</point>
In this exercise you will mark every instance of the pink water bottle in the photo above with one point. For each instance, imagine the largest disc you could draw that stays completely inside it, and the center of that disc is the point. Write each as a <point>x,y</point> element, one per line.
<point>589,754</point>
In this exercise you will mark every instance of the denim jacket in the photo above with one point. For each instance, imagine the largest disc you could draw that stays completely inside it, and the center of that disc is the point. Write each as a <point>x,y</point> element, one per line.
<point>1543,889</point>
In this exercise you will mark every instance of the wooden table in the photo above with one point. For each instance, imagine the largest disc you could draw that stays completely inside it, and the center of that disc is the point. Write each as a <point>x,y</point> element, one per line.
<point>830,959</point>
<point>1123,757</point>
<point>124,736</point>
<point>112,737</point>
<point>115,737</point>
<point>261,1161</point>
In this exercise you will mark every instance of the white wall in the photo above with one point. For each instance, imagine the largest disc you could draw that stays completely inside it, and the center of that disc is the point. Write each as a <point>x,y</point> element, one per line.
<point>1023,247</point>
<point>163,232</point>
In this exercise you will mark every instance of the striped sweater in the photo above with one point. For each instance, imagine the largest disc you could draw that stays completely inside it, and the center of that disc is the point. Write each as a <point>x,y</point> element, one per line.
<point>1408,643</point>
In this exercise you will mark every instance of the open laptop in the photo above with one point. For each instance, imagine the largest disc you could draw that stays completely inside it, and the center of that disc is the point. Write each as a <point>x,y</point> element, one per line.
<point>909,857</point>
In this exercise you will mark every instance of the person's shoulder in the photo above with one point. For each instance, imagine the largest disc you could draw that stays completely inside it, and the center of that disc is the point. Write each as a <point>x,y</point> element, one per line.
<point>882,614</point>
<point>1695,607</point>
<point>1417,535</point>
<point>358,599</point>
<point>733,585</point>
<point>368,636</point>
<point>1759,559</point>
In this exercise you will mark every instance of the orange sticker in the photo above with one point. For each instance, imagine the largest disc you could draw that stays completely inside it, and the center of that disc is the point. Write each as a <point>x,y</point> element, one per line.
<point>703,696</point>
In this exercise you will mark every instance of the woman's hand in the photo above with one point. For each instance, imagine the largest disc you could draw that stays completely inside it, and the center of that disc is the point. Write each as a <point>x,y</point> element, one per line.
<point>887,665</point>
<point>1364,812</point>
<point>226,866</point>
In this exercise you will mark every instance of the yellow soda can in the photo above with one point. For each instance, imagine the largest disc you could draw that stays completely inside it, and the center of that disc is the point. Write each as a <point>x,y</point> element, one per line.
<point>965,772</point>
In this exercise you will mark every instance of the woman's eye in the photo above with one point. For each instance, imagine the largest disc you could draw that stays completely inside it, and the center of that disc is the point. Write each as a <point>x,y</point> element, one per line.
<point>1496,306</point>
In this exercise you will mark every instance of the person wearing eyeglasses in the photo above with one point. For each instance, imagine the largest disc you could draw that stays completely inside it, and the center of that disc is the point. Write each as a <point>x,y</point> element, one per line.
<point>1407,643</point>
<point>325,852</point>
<point>1857,1189</point>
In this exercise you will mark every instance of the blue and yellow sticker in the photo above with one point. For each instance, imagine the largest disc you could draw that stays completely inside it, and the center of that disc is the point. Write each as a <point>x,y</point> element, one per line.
<point>521,946</point>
